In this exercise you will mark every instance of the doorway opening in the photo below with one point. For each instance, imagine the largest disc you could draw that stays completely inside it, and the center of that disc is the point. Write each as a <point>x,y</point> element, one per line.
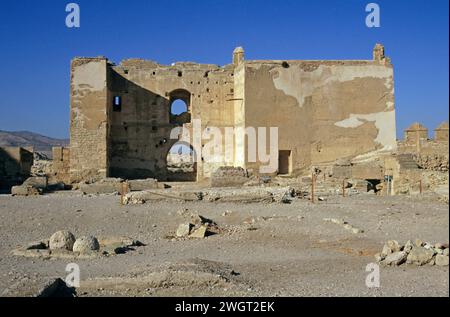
<point>284,162</point>
<point>181,163</point>
<point>373,185</point>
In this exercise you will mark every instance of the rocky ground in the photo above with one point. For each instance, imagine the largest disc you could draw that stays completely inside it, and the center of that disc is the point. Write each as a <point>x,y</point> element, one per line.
<point>259,249</point>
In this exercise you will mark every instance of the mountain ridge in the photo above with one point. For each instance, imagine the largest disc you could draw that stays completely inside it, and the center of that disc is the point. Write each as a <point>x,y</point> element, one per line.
<point>39,142</point>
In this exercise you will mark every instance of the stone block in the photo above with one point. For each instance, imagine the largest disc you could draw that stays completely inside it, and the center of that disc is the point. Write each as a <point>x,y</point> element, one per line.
<point>25,191</point>
<point>40,182</point>
<point>143,184</point>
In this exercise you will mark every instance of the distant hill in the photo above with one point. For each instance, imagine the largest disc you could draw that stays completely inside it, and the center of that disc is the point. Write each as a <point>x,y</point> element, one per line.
<point>39,142</point>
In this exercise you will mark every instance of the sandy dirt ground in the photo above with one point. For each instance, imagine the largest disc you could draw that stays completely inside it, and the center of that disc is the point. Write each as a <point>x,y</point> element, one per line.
<point>261,250</point>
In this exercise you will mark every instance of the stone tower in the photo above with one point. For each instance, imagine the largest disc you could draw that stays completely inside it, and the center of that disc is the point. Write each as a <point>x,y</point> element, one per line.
<point>441,132</point>
<point>238,55</point>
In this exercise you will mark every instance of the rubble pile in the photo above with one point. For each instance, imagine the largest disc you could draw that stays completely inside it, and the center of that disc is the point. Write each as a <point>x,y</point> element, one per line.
<point>42,164</point>
<point>197,226</point>
<point>417,253</point>
<point>35,185</point>
<point>434,162</point>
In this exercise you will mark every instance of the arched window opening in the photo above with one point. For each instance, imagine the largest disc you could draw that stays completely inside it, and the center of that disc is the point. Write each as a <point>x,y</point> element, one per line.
<point>180,107</point>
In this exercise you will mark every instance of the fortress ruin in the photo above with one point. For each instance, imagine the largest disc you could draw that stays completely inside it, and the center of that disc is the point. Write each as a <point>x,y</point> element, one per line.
<point>121,116</point>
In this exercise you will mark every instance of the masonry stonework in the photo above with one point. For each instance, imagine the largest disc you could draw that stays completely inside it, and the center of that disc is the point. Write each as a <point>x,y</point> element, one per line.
<point>121,120</point>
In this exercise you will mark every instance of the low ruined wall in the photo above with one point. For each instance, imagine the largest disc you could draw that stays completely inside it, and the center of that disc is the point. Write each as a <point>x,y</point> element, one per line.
<point>428,154</point>
<point>15,165</point>
<point>228,176</point>
<point>360,171</point>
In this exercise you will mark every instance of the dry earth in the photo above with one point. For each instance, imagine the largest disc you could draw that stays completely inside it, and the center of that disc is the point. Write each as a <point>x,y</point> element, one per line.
<point>262,249</point>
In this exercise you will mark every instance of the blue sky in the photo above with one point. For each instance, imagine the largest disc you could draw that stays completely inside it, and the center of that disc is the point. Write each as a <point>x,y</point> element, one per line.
<point>37,46</point>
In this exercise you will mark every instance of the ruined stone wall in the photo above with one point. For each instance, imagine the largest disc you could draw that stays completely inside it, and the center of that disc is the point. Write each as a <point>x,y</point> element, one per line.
<point>60,165</point>
<point>15,165</point>
<point>89,119</point>
<point>325,110</point>
<point>441,135</point>
<point>121,122</point>
<point>428,154</point>
<point>140,131</point>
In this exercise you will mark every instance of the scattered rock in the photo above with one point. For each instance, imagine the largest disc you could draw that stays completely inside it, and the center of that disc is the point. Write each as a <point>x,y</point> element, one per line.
<point>357,230</point>
<point>200,220</point>
<point>395,258</point>
<point>379,257</point>
<point>286,199</point>
<point>24,190</point>
<point>83,248</point>
<point>418,243</point>
<point>420,256</point>
<point>39,182</point>
<point>408,246</point>
<point>432,261</point>
<point>227,213</point>
<point>344,224</point>
<point>386,250</point>
<point>183,212</point>
<point>418,253</point>
<point>393,245</point>
<point>62,240</point>
<point>86,245</point>
<point>199,232</point>
<point>183,230</point>
<point>347,226</point>
<point>338,221</point>
<point>249,221</point>
<point>441,260</point>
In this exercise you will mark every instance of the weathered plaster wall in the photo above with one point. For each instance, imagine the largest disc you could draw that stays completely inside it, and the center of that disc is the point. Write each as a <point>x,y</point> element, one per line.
<point>325,110</point>
<point>267,106</point>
